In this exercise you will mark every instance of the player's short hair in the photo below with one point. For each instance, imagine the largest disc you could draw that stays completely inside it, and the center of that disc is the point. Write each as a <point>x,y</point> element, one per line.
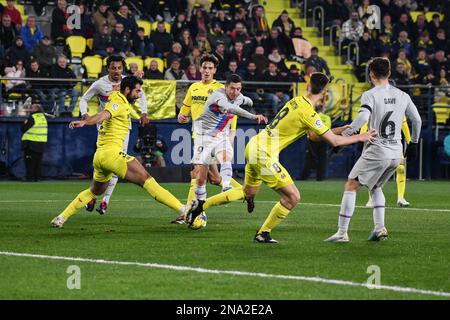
<point>130,82</point>
<point>209,58</point>
<point>380,68</point>
<point>318,82</point>
<point>115,58</point>
<point>234,78</point>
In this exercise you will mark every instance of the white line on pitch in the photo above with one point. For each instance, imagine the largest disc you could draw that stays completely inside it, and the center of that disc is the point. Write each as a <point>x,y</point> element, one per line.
<point>257,201</point>
<point>230,272</point>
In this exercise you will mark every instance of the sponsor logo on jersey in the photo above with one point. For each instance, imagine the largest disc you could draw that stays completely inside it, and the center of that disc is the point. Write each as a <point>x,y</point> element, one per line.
<point>115,106</point>
<point>319,124</point>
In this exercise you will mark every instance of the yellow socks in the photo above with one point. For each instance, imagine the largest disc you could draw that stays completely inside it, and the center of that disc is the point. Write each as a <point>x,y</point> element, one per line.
<point>235,184</point>
<point>278,213</point>
<point>79,202</point>
<point>162,195</point>
<point>224,197</point>
<point>401,181</point>
<point>191,195</point>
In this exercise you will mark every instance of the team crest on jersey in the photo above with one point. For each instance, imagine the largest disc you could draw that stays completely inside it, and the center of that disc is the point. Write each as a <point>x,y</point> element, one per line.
<point>115,106</point>
<point>319,124</point>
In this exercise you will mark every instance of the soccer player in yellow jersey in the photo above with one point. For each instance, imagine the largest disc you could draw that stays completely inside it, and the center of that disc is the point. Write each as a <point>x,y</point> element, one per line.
<point>294,120</point>
<point>400,174</point>
<point>110,159</point>
<point>193,105</point>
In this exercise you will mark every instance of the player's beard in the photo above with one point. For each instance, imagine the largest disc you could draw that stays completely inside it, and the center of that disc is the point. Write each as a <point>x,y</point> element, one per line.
<point>130,99</point>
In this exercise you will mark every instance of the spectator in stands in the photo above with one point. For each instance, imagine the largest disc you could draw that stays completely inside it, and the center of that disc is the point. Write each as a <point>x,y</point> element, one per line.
<point>187,44</point>
<point>368,14</point>
<point>59,28</point>
<point>402,25</point>
<point>306,76</point>
<point>199,23</point>
<point>440,62</point>
<point>176,54</point>
<point>179,25</point>
<point>17,52</point>
<point>276,58</point>
<point>400,76</point>
<point>426,43</point>
<point>251,90</point>
<point>257,40</point>
<point>239,33</point>
<point>284,23</point>
<point>240,56</point>
<point>161,40</point>
<point>103,42</point>
<point>132,68</point>
<point>11,11</point>
<point>419,26</point>
<point>141,44</point>
<point>205,4</point>
<point>124,17</point>
<point>221,55</point>
<point>87,28</point>
<point>232,69</point>
<point>319,63</point>
<point>279,41</point>
<point>387,26</point>
<point>331,13</point>
<point>46,54</point>
<point>39,7</point>
<point>31,34</point>
<point>274,93</point>
<point>294,74</point>
<point>121,41</point>
<point>259,21</point>
<point>61,70</point>
<point>103,16</point>
<point>153,72</point>
<point>352,29</point>
<point>195,56</point>
<point>401,58</point>
<point>150,9</point>
<point>402,42</point>
<point>192,73</point>
<point>421,67</point>
<point>260,59</point>
<point>174,72</point>
<point>218,35</point>
<point>223,21</point>
<point>386,7</point>
<point>8,32</point>
<point>17,71</point>
<point>242,17</point>
<point>441,43</point>
<point>301,46</point>
<point>382,44</point>
<point>366,48</point>
<point>203,43</point>
<point>434,25</point>
<point>38,88</point>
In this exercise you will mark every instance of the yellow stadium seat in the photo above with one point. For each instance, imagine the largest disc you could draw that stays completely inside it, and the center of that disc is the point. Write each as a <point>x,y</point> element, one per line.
<point>146,25</point>
<point>155,24</point>
<point>429,16</point>
<point>93,66</point>
<point>90,43</point>
<point>77,45</point>
<point>138,60</point>
<point>160,63</point>
<point>415,14</point>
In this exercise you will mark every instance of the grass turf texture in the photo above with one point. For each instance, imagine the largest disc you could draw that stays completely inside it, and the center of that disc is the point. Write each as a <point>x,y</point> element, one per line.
<point>137,229</point>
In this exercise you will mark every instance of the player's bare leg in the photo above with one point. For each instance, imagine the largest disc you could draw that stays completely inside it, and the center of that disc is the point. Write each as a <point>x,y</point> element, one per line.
<point>347,208</point>
<point>290,196</point>
<point>137,174</point>
<point>97,189</point>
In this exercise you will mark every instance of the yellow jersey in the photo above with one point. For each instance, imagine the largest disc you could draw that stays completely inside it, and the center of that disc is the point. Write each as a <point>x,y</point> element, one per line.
<point>195,99</point>
<point>292,122</point>
<point>112,132</point>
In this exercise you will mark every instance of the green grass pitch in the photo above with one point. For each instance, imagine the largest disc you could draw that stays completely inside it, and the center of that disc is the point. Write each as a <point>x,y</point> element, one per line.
<point>137,229</point>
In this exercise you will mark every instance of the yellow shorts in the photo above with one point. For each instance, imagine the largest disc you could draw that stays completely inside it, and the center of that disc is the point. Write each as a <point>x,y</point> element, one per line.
<point>261,167</point>
<point>108,162</point>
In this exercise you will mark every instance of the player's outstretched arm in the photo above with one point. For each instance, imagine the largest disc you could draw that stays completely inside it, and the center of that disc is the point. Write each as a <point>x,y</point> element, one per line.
<point>90,121</point>
<point>336,140</point>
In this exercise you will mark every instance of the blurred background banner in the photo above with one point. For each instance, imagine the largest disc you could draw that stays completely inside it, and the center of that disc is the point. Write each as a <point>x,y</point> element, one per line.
<point>160,96</point>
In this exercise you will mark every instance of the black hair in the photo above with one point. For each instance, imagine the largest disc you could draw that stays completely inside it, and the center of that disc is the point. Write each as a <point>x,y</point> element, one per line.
<point>130,82</point>
<point>318,82</point>
<point>380,67</point>
<point>209,58</point>
<point>234,78</point>
<point>115,58</point>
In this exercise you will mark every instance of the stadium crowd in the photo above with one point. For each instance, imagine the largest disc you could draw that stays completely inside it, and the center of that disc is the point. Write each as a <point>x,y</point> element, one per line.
<point>236,32</point>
